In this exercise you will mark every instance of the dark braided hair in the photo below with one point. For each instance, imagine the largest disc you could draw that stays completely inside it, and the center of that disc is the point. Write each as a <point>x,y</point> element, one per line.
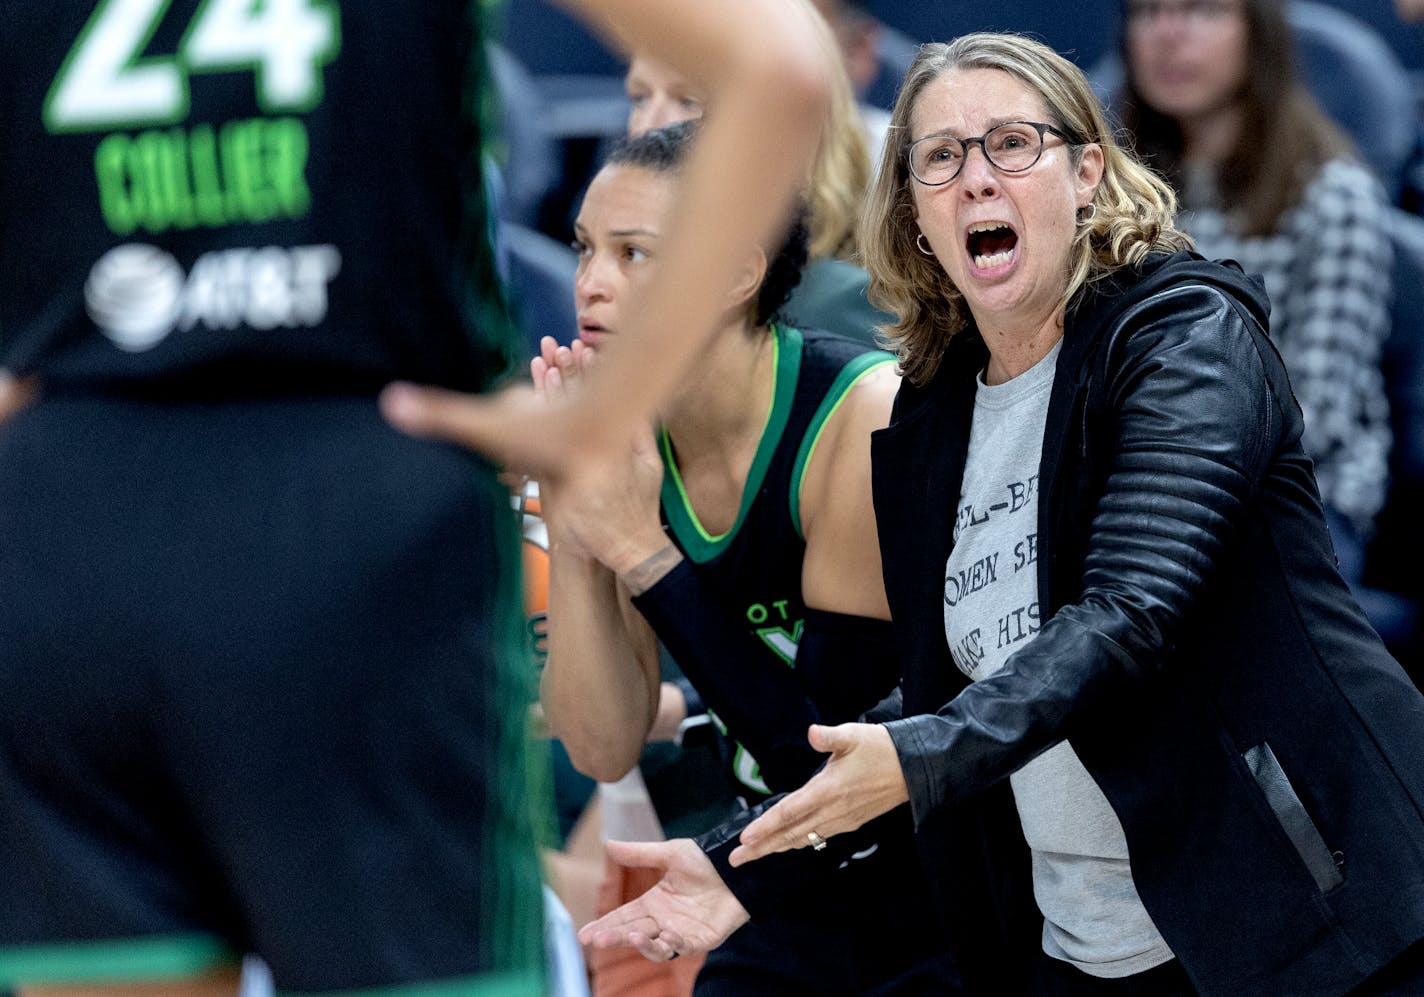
<point>664,150</point>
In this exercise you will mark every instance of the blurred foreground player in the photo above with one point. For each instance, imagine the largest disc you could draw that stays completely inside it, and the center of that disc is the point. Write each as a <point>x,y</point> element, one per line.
<point>262,659</point>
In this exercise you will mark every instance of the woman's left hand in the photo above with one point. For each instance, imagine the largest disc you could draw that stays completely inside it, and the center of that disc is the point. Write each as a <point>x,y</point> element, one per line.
<point>861,781</point>
<point>689,910</point>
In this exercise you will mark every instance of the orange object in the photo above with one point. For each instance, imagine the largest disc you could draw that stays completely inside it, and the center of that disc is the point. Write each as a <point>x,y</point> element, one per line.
<point>535,553</point>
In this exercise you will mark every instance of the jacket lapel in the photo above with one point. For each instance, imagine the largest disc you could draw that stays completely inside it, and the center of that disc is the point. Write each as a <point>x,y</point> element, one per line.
<point>918,462</point>
<point>1065,410</point>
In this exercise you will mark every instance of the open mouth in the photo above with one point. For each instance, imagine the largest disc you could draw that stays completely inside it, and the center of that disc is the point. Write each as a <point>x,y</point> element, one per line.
<point>592,333</point>
<point>991,244</point>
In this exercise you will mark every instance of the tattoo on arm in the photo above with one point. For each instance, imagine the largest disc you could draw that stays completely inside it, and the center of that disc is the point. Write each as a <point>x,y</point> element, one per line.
<point>647,573</point>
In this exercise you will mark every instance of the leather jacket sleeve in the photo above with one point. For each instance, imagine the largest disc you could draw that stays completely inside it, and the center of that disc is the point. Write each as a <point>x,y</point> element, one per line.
<point>1194,407</point>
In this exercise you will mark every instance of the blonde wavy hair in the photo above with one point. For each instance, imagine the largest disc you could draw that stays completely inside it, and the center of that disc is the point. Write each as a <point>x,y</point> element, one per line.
<point>1133,210</point>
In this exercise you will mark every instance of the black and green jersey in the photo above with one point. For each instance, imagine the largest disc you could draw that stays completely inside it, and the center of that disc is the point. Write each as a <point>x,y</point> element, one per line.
<point>756,565</point>
<point>263,671</point>
<point>250,195</point>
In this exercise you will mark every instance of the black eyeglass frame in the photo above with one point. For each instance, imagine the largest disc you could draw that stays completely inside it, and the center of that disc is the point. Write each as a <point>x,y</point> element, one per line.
<point>1041,127</point>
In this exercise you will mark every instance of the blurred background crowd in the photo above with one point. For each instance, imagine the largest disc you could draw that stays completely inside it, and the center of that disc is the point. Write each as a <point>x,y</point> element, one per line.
<point>1293,134</point>
<point>1325,207</point>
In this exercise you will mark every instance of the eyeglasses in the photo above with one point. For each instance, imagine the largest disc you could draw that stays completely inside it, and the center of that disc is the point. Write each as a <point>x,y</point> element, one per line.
<point>1142,13</point>
<point>1011,147</point>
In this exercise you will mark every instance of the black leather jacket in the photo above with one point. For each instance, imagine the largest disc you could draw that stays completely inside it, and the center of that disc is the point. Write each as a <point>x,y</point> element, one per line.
<point>1264,753</point>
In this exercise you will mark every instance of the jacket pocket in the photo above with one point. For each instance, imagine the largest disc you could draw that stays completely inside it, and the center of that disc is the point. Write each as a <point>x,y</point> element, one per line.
<point>1290,812</point>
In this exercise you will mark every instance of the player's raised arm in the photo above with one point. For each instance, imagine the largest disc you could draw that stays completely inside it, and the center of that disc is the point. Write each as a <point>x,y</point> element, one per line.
<point>768,74</point>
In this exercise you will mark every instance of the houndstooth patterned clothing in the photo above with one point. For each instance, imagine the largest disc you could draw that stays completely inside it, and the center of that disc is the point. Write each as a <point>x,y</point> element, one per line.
<point>1327,270</point>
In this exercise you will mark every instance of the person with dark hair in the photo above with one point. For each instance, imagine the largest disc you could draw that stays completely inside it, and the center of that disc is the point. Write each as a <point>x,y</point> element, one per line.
<point>1149,743</point>
<point>741,538</point>
<point>1213,102</point>
<point>264,680</point>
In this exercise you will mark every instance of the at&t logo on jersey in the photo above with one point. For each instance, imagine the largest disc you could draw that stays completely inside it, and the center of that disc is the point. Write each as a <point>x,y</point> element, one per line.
<point>138,294</point>
<point>157,171</point>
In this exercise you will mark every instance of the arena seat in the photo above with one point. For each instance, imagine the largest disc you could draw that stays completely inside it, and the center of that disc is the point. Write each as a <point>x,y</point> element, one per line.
<point>530,156</point>
<point>1396,551</point>
<point>540,280</point>
<point>1357,78</point>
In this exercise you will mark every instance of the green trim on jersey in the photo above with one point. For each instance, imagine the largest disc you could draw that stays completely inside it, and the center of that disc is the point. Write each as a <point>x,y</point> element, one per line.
<point>159,958</point>
<point>175,957</point>
<point>700,545</point>
<point>511,905</point>
<point>848,378</point>
<point>509,984</point>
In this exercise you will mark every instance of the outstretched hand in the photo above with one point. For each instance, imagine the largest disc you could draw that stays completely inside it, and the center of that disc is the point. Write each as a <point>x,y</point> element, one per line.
<point>514,427</point>
<point>689,910</point>
<point>540,431</point>
<point>861,781</point>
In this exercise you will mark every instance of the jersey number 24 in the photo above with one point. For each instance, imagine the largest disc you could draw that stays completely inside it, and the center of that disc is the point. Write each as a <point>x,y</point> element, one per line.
<point>106,82</point>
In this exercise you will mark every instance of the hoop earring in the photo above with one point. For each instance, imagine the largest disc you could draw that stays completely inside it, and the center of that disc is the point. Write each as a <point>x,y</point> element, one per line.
<point>921,245</point>
<point>1087,213</point>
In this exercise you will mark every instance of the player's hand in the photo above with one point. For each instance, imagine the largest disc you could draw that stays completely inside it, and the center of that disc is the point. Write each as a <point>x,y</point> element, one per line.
<point>861,781</point>
<point>532,432</point>
<point>614,520</point>
<point>560,364</point>
<point>514,427</point>
<point>614,516</point>
<point>689,910</point>
<point>554,373</point>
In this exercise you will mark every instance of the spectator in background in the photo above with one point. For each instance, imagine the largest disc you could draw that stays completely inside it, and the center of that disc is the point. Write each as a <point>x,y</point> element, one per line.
<point>1265,178</point>
<point>859,36</point>
<point>832,293</point>
<point>659,95</point>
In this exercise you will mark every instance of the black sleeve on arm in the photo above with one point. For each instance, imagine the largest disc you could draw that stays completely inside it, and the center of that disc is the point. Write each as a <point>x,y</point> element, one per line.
<point>1196,420</point>
<point>792,882</point>
<point>847,663</point>
<point>766,886</point>
<point>892,707</point>
<point>750,688</point>
<point>691,698</point>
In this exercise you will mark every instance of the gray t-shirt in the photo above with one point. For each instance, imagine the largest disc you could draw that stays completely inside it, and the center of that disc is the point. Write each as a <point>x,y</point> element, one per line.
<point>1082,879</point>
